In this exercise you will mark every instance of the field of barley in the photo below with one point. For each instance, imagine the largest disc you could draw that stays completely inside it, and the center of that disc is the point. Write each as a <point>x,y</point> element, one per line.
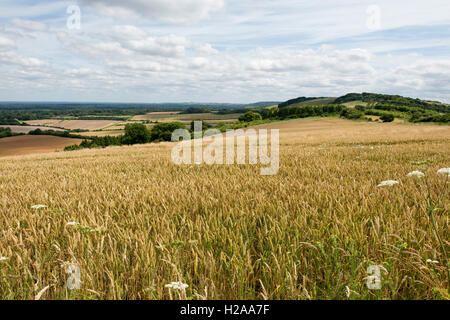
<point>133,221</point>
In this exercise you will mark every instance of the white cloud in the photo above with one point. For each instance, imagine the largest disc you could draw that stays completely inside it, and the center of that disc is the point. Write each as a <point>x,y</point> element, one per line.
<point>168,46</point>
<point>6,44</point>
<point>206,49</point>
<point>20,60</point>
<point>180,11</point>
<point>251,50</point>
<point>29,25</point>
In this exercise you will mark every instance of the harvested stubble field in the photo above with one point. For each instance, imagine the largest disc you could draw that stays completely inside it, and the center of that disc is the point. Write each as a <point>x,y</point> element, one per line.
<point>27,129</point>
<point>309,232</point>
<point>102,133</point>
<point>23,145</point>
<point>187,118</point>
<point>75,124</point>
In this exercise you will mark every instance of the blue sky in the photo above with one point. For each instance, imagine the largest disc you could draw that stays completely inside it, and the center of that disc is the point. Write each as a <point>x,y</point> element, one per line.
<point>222,50</point>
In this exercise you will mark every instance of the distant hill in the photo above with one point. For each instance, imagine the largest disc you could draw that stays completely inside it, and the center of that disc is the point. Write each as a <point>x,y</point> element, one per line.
<point>374,98</point>
<point>295,101</point>
<point>369,98</point>
<point>262,104</point>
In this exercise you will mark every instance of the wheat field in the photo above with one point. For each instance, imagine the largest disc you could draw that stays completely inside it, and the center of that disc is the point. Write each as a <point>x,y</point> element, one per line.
<point>134,222</point>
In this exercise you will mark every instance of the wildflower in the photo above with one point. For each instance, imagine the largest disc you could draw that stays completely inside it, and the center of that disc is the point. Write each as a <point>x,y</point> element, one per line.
<point>388,183</point>
<point>39,206</point>
<point>417,174</point>
<point>444,171</point>
<point>432,261</point>
<point>71,223</point>
<point>3,258</point>
<point>177,285</point>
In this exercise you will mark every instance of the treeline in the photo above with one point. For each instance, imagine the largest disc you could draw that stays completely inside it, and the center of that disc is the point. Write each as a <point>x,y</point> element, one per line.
<point>6,132</point>
<point>412,114</point>
<point>232,111</point>
<point>197,110</point>
<point>10,117</point>
<point>57,133</point>
<point>292,112</point>
<point>135,133</point>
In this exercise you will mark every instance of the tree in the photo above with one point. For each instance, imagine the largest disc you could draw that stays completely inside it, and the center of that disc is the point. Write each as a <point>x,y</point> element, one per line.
<point>205,126</point>
<point>250,116</point>
<point>352,114</point>
<point>136,133</point>
<point>163,131</point>
<point>388,117</point>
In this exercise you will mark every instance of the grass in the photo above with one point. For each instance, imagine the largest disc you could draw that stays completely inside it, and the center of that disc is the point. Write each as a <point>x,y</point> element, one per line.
<point>309,232</point>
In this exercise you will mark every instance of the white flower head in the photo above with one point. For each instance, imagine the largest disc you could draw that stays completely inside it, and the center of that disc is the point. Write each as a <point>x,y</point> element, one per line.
<point>444,171</point>
<point>177,285</point>
<point>39,206</point>
<point>3,258</point>
<point>388,183</point>
<point>72,223</point>
<point>417,174</point>
<point>432,261</point>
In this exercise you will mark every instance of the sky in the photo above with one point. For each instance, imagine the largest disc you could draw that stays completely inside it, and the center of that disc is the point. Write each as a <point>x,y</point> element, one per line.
<point>236,51</point>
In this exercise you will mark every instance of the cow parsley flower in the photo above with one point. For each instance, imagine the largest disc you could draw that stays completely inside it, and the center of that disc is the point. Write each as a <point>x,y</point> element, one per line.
<point>3,258</point>
<point>417,174</point>
<point>444,171</point>
<point>432,261</point>
<point>388,183</point>
<point>177,285</point>
<point>72,223</point>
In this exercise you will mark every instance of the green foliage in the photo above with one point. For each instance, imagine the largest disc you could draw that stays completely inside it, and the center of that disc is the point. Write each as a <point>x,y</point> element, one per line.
<point>392,100</point>
<point>205,125</point>
<point>424,116</point>
<point>63,134</point>
<point>6,132</point>
<point>136,133</point>
<point>231,111</point>
<point>388,117</point>
<point>240,125</point>
<point>197,110</point>
<point>250,116</point>
<point>270,113</point>
<point>352,114</point>
<point>73,147</point>
<point>294,112</point>
<point>163,131</point>
<point>295,101</point>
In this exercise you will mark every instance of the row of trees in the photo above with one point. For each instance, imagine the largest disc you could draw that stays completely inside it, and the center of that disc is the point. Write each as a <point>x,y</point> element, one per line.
<point>6,132</point>
<point>392,100</point>
<point>413,114</point>
<point>135,133</point>
<point>293,112</point>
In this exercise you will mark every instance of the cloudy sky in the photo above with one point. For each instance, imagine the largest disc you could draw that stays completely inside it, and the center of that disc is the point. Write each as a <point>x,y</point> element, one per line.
<point>222,50</point>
